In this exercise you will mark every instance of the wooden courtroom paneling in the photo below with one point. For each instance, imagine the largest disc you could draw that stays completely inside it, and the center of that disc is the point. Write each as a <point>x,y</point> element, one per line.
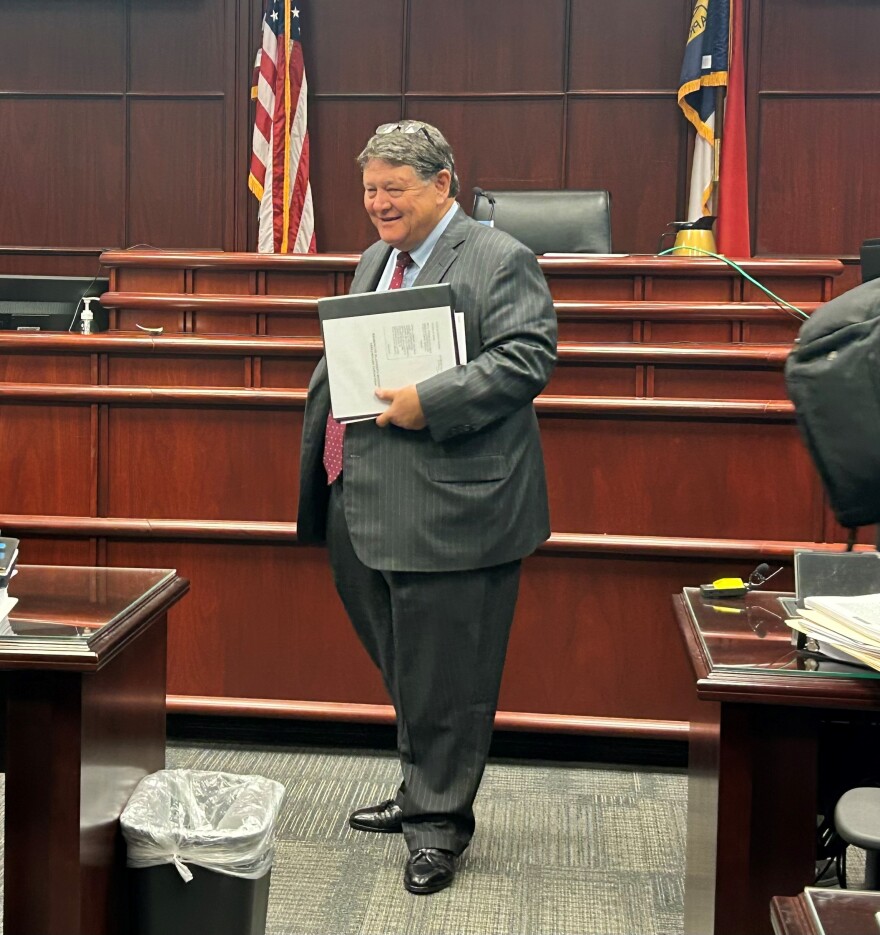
<point>800,184</point>
<point>691,382</point>
<point>338,27</point>
<point>144,278</point>
<point>39,550</point>
<point>224,324</point>
<point>35,132</point>
<point>180,46</point>
<point>835,46</point>
<point>606,476</point>
<point>573,377</point>
<point>179,177</point>
<point>262,623</point>
<point>607,149</point>
<point>338,130</point>
<point>709,332</point>
<point>203,463</point>
<point>449,52</point>
<point>178,146</point>
<point>177,371</point>
<point>591,634</point>
<point>287,372</point>
<point>86,33</point>
<point>45,368</point>
<point>47,453</point>
<point>599,30</point>
<point>502,154</point>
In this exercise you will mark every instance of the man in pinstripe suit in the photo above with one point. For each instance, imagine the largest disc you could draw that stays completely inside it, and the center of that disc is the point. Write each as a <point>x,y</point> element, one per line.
<point>428,511</point>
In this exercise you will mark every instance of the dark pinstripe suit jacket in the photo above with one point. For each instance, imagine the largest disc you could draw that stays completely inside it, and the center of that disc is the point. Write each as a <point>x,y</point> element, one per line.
<point>469,490</point>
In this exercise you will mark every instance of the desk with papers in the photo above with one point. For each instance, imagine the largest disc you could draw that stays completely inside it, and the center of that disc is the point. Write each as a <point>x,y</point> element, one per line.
<point>759,756</point>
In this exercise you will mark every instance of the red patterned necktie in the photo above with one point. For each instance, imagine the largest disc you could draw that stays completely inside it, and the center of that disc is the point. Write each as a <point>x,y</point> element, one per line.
<point>334,434</point>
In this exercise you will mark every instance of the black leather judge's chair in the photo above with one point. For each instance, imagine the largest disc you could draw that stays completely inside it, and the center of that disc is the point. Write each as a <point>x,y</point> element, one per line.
<point>550,221</point>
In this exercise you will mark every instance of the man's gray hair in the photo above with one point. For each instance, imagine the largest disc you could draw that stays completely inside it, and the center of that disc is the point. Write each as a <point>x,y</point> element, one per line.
<point>412,143</point>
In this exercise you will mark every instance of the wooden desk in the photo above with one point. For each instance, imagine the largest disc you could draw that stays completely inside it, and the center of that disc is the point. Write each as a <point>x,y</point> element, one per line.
<point>83,663</point>
<point>826,912</point>
<point>753,758</point>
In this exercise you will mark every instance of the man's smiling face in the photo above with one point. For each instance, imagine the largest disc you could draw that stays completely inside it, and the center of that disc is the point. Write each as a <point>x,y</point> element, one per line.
<point>403,207</point>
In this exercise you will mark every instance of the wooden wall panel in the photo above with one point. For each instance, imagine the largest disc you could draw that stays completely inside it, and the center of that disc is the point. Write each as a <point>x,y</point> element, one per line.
<point>605,477</point>
<point>202,464</point>
<point>339,130</point>
<point>599,332</point>
<point>573,379</point>
<point>177,371</point>
<point>789,288</point>
<point>56,46</point>
<point>609,71</point>
<point>48,459</point>
<point>309,284</point>
<point>599,31</point>
<point>61,161</point>
<point>178,195</point>
<point>592,636</point>
<point>808,46</point>
<point>305,325</point>
<point>293,374</point>
<point>220,323</point>
<point>449,52</point>
<point>137,279</point>
<point>500,152</point>
<point>353,50</point>
<point>36,550</point>
<point>47,368</point>
<point>804,196</point>
<point>672,332</point>
<point>607,149</point>
<point>179,47</point>
<point>714,383</point>
<point>279,632</point>
<point>223,282</point>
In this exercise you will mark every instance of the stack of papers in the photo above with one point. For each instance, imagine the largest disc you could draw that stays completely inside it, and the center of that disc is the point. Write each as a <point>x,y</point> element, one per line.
<point>8,558</point>
<point>843,625</point>
<point>389,340</point>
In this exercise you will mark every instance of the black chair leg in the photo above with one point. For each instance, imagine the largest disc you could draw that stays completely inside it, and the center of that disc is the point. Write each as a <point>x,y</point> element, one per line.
<point>872,870</point>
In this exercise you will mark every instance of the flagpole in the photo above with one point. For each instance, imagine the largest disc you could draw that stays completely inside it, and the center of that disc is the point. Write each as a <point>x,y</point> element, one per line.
<point>720,101</point>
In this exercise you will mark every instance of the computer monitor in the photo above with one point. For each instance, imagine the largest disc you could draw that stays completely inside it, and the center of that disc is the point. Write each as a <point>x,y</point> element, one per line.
<point>49,303</point>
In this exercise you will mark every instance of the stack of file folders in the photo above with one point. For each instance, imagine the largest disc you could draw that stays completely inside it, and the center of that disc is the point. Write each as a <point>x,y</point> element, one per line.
<point>846,628</point>
<point>8,558</point>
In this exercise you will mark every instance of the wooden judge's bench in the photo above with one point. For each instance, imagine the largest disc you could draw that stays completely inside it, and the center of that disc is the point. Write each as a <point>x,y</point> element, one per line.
<point>672,456</point>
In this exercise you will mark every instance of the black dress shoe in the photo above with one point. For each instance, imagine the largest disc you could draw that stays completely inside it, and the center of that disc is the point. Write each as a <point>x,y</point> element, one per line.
<point>428,870</point>
<point>386,818</point>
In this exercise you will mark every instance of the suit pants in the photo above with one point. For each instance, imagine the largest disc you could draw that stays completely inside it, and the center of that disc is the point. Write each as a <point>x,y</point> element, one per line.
<point>439,639</point>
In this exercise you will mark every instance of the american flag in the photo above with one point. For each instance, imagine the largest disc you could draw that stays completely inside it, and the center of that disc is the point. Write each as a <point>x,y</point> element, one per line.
<point>279,175</point>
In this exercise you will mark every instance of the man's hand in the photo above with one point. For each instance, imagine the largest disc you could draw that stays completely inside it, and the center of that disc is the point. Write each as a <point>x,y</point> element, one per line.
<point>405,410</point>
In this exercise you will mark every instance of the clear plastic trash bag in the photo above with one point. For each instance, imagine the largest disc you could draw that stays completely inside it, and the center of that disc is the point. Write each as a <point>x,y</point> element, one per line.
<point>219,821</point>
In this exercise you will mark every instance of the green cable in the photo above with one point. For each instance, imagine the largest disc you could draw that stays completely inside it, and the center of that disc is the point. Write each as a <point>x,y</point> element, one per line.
<point>780,302</point>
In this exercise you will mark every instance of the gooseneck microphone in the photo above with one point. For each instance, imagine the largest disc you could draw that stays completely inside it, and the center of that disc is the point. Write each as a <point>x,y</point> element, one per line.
<point>482,193</point>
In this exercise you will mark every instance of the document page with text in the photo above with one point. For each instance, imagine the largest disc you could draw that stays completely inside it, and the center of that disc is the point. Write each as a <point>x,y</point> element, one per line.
<point>368,345</point>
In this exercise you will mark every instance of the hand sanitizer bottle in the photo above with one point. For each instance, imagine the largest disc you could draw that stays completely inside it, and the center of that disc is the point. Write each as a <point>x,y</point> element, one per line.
<point>87,316</point>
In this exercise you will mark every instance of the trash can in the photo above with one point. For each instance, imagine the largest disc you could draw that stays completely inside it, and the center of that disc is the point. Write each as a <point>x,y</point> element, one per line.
<point>200,847</point>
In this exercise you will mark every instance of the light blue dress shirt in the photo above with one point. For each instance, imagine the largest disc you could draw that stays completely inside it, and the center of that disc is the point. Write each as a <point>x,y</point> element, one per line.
<point>419,255</point>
